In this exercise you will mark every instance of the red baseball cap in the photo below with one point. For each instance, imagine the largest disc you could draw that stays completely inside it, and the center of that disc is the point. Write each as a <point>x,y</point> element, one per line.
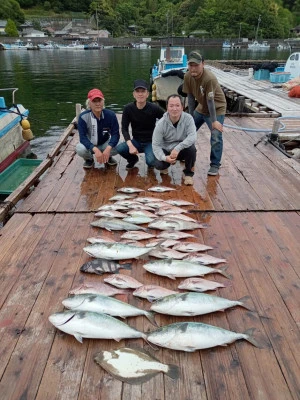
<point>95,93</point>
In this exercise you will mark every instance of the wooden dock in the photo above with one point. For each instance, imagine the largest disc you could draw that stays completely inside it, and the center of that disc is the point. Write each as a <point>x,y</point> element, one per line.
<point>252,211</point>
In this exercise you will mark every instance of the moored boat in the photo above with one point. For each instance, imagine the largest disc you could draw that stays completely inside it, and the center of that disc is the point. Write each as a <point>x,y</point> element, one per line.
<point>293,65</point>
<point>226,45</point>
<point>259,46</point>
<point>167,75</point>
<point>14,138</point>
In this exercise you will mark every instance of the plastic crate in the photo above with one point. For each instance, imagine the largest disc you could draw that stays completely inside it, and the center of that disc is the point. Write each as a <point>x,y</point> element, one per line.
<point>262,74</point>
<point>279,69</point>
<point>279,77</point>
<point>16,173</point>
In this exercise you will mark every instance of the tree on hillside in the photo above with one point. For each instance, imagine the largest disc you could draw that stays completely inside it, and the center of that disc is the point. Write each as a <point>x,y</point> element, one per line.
<point>11,9</point>
<point>11,29</point>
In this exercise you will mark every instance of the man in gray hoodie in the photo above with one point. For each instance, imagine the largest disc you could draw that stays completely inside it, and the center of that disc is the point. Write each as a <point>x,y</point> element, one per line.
<point>174,139</point>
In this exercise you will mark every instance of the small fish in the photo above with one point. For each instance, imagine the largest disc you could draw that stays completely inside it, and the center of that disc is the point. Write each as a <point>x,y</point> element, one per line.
<point>167,254</point>
<point>123,281</point>
<point>191,247</point>
<point>199,285</point>
<point>133,366</point>
<point>175,235</point>
<point>169,210</point>
<point>97,288</point>
<point>98,239</point>
<point>192,336</point>
<point>163,243</point>
<point>101,266</point>
<point>176,225</point>
<point>191,304</point>
<point>106,305</point>
<point>205,259</point>
<point>179,203</point>
<point>130,190</point>
<point>160,189</point>
<point>137,235</point>
<point>115,251</point>
<point>143,213</point>
<point>118,197</point>
<point>138,219</point>
<point>92,325</point>
<point>128,203</point>
<point>157,204</point>
<point>115,207</point>
<point>115,224</point>
<point>110,214</point>
<point>181,269</point>
<point>149,200</point>
<point>181,216</point>
<point>140,206</point>
<point>152,292</point>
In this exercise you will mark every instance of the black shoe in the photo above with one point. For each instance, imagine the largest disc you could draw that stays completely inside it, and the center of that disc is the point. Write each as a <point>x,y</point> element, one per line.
<point>111,161</point>
<point>131,164</point>
<point>88,164</point>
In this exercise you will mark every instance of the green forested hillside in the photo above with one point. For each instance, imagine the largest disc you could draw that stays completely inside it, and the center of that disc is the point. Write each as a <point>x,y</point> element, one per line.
<point>218,18</point>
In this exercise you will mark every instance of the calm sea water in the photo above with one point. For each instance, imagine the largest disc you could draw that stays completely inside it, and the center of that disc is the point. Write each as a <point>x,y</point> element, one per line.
<point>52,82</point>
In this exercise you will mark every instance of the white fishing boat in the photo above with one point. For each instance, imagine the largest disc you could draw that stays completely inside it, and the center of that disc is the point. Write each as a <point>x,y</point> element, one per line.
<point>14,139</point>
<point>17,45</point>
<point>292,65</point>
<point>167,74</point>
<point>49,45</point>
<point>283,46</point>
<point>141,46</point>
<point>226,45</point>
<point>76,45</point>
<point>259,46</point>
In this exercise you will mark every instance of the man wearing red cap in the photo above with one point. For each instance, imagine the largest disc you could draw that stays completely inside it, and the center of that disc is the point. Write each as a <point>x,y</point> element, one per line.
<point>98,132</point>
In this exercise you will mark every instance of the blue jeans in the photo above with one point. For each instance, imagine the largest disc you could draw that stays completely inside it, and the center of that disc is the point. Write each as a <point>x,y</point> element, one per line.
<point>216,138</point>
<point>86,154</point>
<point>146,148</point>
<point>187,155</point>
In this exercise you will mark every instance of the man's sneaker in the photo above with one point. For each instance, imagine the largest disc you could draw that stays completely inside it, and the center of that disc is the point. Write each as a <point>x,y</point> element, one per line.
<point>164,171</point>
<point>188,180</point>
<point>88,164</point>
<point>213,170</point>
<point>111,161</point>
<point>131,164</point>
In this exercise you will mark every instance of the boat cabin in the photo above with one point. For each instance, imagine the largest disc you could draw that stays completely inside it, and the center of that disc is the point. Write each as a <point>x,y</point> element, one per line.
<point>172,57</point>
<point>293,65</point>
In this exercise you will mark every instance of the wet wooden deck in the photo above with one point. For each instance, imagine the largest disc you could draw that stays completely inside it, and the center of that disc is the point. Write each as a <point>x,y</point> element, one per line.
<point>252,212</point>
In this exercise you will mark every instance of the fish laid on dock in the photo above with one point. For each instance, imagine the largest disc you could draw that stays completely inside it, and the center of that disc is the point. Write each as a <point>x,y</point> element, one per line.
<point>191,247</point>
<point>199,285</point>
<point>166,224</point>
<point>107,305</point>
<point>152,292</point>
<point>205,259</point>
<point>97,288</point>
<point>175,235</point>
<point>92,325</point>
<point>123,281</point>
<point>101,266</point>
<point>192,336</point>
<point>115,251</point>
<point>118,197</point>
<point>133,366</point>
<point>160,189</point>
<point>179,203</point>
<point>137,235</point>
<point>115,224</point>
<point>191,304</point>
<point>130,190</point>
<point>181,269</point>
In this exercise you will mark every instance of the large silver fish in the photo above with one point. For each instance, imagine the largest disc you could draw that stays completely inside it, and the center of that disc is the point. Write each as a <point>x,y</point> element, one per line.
<point>160,189</point>
<point>115,251</point>
<point>176,225</point>
<point>133,366</point>
<point>86,324</point>
<point>105,304</point>
<point>130,190</point>
<point>192,336</point>
<point>181,269</point>
<point>192,304</point>
<point>115,224</point>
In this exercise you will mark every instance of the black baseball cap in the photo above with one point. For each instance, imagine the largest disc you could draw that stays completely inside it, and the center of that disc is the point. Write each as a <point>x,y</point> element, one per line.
<point>140,84</point>
<point>195,57</point>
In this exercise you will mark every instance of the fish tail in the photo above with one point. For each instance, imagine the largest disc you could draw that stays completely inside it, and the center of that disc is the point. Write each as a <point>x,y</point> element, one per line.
<point>224,273</point>
<point>244,300</point>
<point>151,316</point>
<point>249,337</point>
<point>173,371</point>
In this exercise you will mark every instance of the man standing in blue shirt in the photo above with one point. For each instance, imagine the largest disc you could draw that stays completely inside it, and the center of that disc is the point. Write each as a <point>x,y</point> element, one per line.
<point>98,132</point>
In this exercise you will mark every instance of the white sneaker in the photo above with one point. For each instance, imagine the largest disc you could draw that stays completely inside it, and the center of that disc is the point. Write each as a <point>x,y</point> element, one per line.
<point>164,171</point>
<point>188,180</point>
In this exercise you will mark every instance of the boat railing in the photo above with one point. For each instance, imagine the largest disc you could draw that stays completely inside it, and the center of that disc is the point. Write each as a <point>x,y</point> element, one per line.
<point>13,93</point>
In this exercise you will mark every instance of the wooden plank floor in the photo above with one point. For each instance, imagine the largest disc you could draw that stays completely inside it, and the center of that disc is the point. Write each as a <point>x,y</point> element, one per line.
<point>252,212</point>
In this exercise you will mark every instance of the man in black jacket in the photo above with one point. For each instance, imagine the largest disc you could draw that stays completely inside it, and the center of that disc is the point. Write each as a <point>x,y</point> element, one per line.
<point>142,116</point>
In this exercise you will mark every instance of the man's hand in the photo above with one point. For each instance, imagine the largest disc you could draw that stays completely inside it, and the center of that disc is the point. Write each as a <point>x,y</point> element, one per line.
<point>170,159</point>
<point>217,125</point>
<point>106,154</point>
<point>174,154</point>
<point>132,149</point>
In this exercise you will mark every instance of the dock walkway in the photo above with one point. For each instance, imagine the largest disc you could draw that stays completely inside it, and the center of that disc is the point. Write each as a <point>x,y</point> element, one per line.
<point>252,210</point>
